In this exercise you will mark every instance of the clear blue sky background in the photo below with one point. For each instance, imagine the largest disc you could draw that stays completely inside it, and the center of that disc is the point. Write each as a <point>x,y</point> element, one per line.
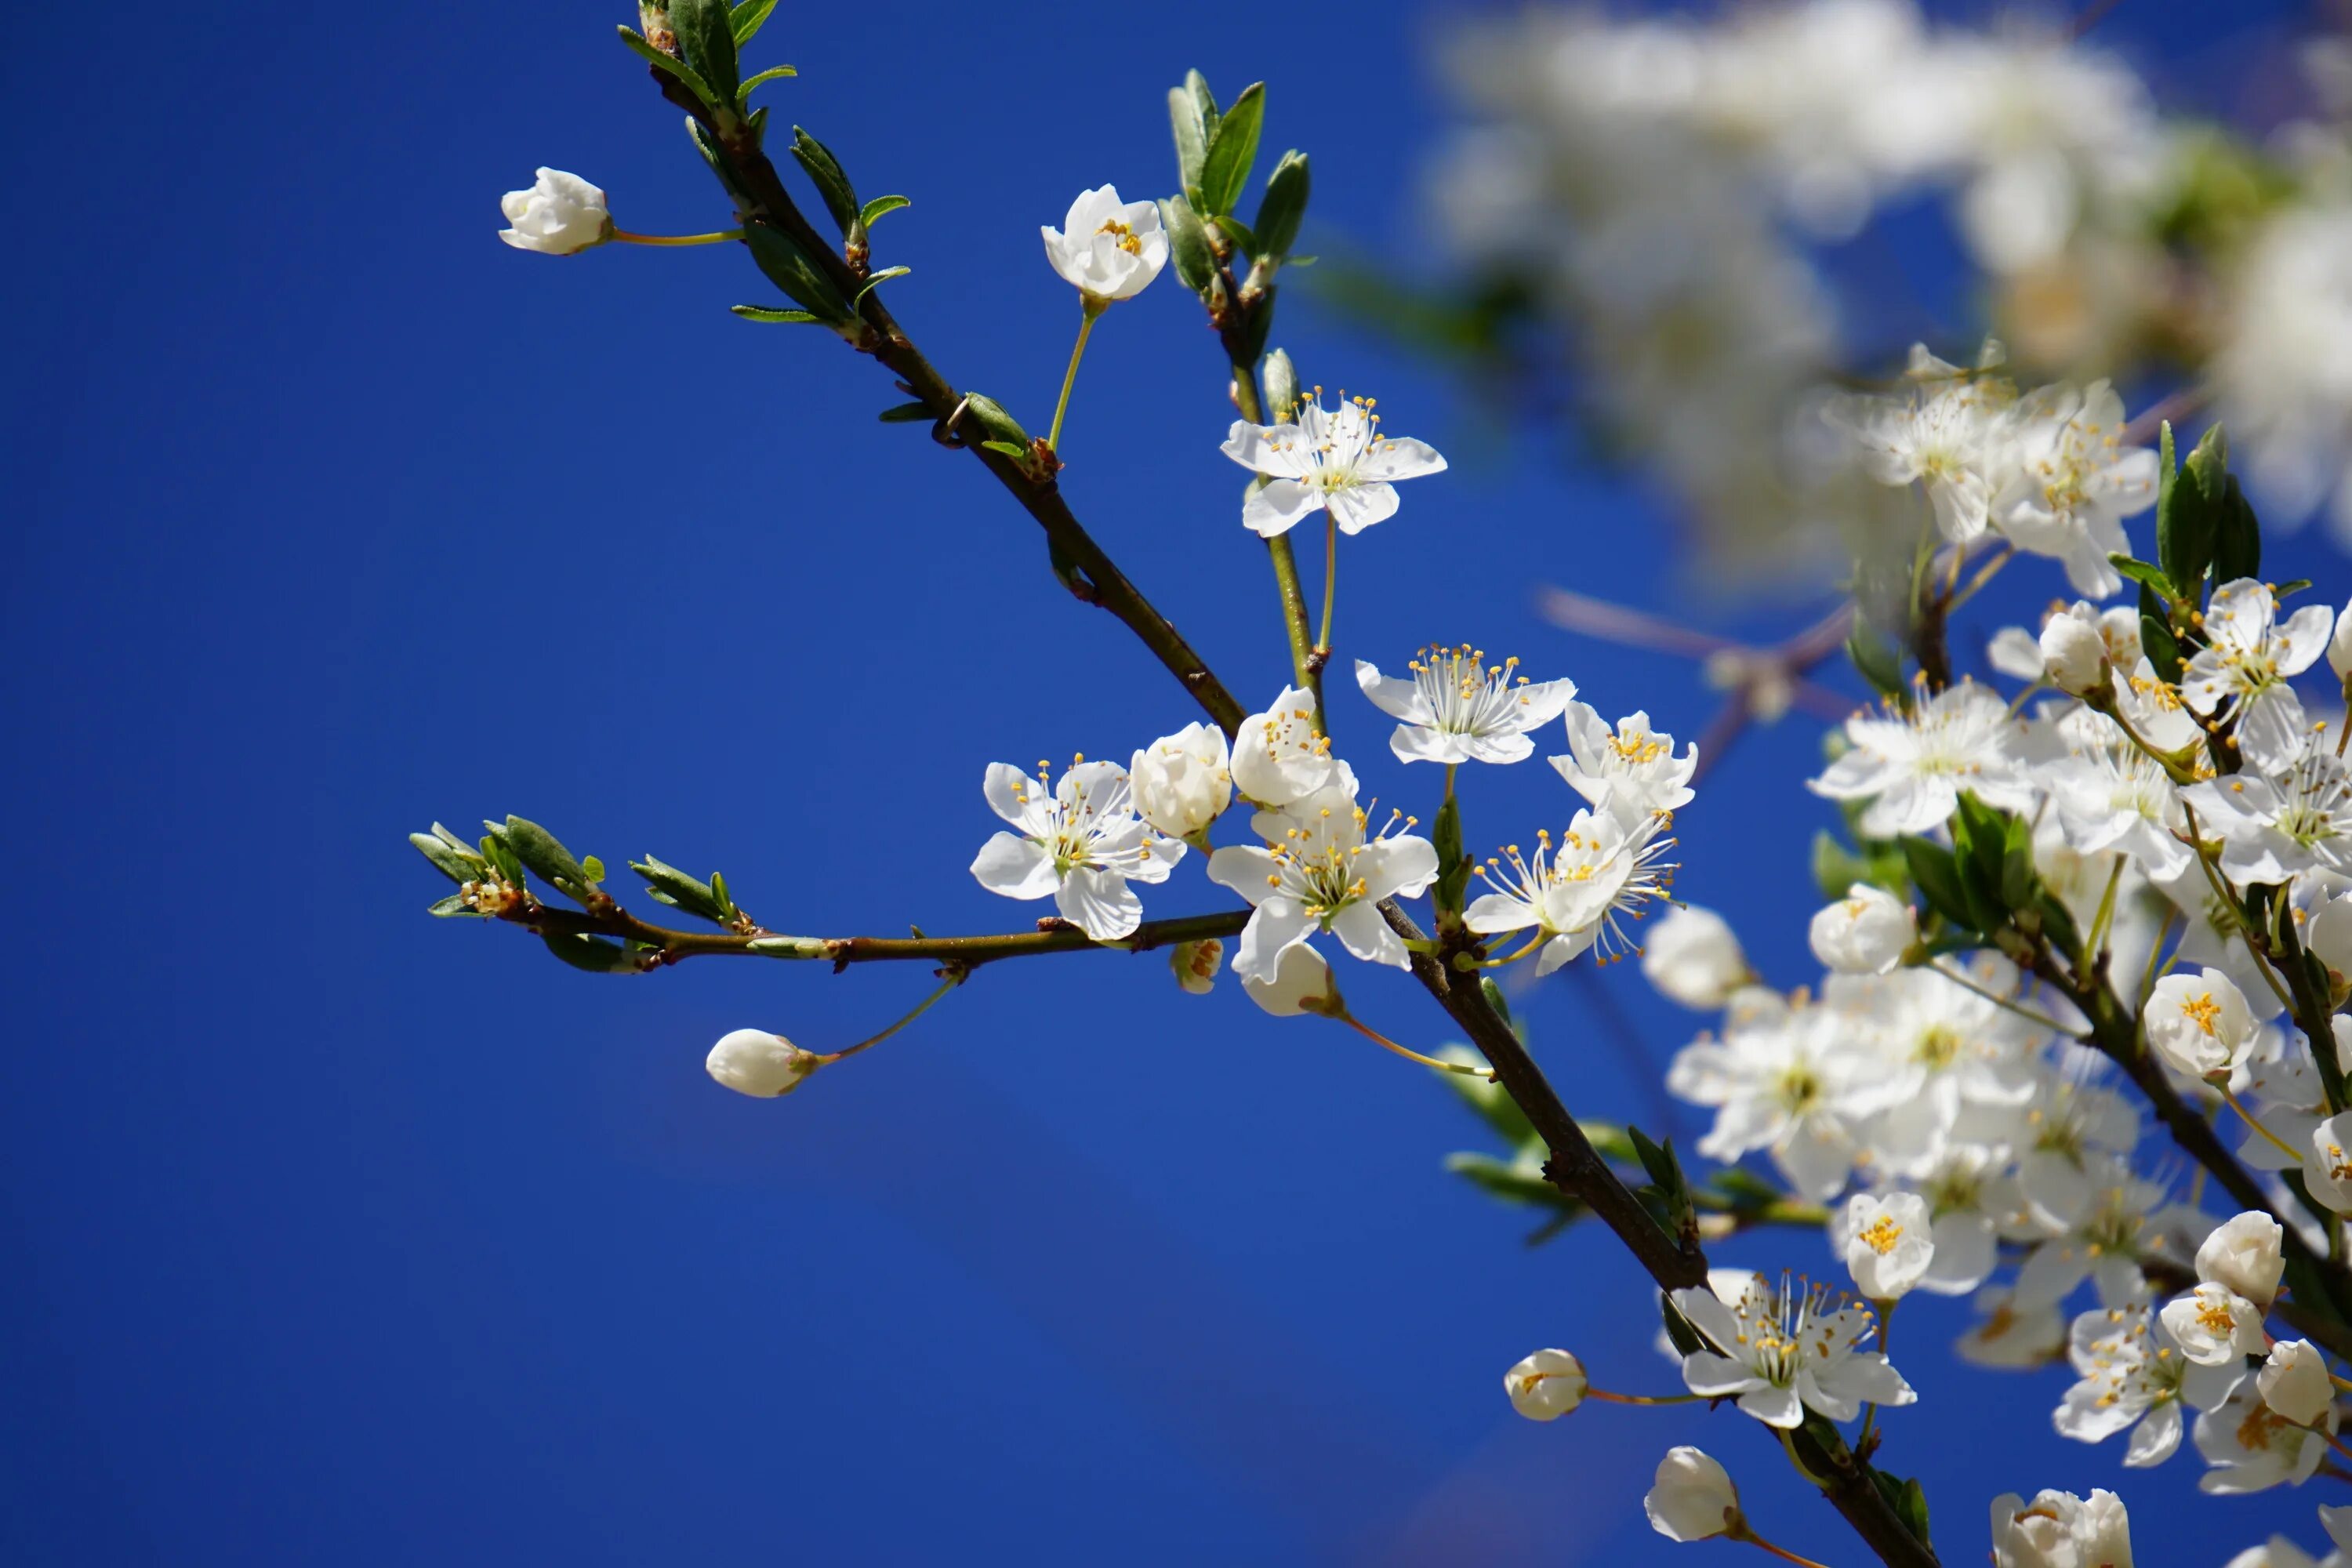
<point>330,1233</point>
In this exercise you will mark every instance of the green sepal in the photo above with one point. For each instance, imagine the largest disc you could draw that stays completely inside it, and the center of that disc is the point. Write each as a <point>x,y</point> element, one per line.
<point>1187,243</point>
<point>705,32</point>
<point>1281,207</point>
<point>1232,149</point>
<point>450,857</point>
<point>879,206</point>
<point>593,953</point>
<point>746,20</point>
<point>770,313</point>
<point>1936,875</point>
<point>451,904</point>
<point>537,849</point>
<point>825,173</point>
<point>796,275</point>
<point>662,62</point>
<point>680,890</point>
<point>905,413</point>
<point>773,73</point>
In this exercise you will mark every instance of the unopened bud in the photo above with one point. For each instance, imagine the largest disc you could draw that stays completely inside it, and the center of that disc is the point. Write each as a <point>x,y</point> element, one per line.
<point>2340,648</point>
<point>757,1063</point>
<point>1865,933</point>
<point>1281,383</point>
<point>1195,964</point>
<point>1545,1385</point>
<point>2073,655</point>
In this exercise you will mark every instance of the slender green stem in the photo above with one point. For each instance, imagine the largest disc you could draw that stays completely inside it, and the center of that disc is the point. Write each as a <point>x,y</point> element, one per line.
<point>956,976</point>
<point>1744,1533</point>
<point>722,238</point>
<point>1330,579</point>
<point>1407,1052</point>
<point>1789,1444</point>
<point>1644,1398</point>
<point>2093,943</point>
<point>1091,308</point>
<point>2248,1117</point>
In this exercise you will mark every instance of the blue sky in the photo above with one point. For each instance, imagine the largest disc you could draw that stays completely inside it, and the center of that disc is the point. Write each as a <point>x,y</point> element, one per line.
<point>332,1233</point>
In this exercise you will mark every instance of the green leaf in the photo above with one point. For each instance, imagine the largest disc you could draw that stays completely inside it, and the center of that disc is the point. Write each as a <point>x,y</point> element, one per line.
<point>1501,1004</point>
<point>2238,540</point>
<point>2018,882</point>
<point>1937,876</point>
<point>1187,243</point>
<point>2147,573</point>
<point>878,279</point>
<point>1979,843</point>
<point>594,867</point>
<point>770,313</point>
<point>990,416</point>
<point>1909,1500</point>
<point>2184,526</point>
<point>796,275</point>
<point>1297,261</point>
<point>593,953</point>
<point>501,855</point>
<point>825,173</point>
<point>879,206</point>
<point>1879,661</point>
<point>537,849</point>
<point>1233,148</point>
<point>772,73</point>
<point>746,20</point>
<point>705,32</point>
<point>1281,209</point>
<point>670,63</point>
<point>1191,137</point>
<point>1012,449</point>
<point>453,904</point>
<point>2155,638</point>
<point>1494,1106</point>
<point>1511,1181</point>
<point>1238,234</point>
<point>1836,869</point>
<point>2297,587</point>
<point>726,900</point>
<point>677,889</point>
<point>905,413</point>
<point>458,863</point>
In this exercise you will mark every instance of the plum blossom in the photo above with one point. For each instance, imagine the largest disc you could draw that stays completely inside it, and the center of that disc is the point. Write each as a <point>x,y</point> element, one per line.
<point>2111,796</point>
<point>2241,677</point>
<point>1278,757</point>
<point>2200,1024</point>
<point>1791,1080</point>
<point>2298,818</point>
<point>2327,1169</point>
<point>1942,433</point>
<point>1912,767</point>
<point>1326,458</point>
<point>560,215</point>
<point>1692,1498</point>
<point>1693,957</point>
<point>1183,782</point>
<point>1783,1352</point>
<point>1887,1241</point>
<point>2253,1448</point>
<point>1572,893</point>
<point>1865,933</point>
<point>2294,1381</point>
<point>1321,871</point>
<point>2132,1376</point>
<point>1456,711</point>
<point>1079,840</point>
<point>1545,1385</point>
<point>2059,1530</point>
<point>2071,481</point>
<point>2214,1325</point>
<point>1106,248</point>
<point>758,1064</point>
<point>2245,1255</point>
<point>1631,769</point>
<point>1302,983</point>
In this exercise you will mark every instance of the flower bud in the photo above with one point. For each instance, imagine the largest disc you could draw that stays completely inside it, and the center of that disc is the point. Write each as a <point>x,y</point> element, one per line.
<point>1692,957</point>
<point>2244,1253</point>
<point>1195,964</point>
<point>757,1063</point>
<point>1545,1385</point>
<point>2295,1384</point>
<point>1865,933</point>
<point>2340,648</point>
<point>1183,782</point>
<point>1281,383</point>
<point>2059,1530</point>
<point>1886,1241</point>
<point>560,215</point>
<point>1302,983</point>
<point>2200,1024</point>
<point>2073,655</point>
<point>1692,1498</point>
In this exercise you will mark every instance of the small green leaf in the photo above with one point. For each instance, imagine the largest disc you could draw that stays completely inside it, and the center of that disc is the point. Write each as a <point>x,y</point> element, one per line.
<point>670,63</point>
<point>1007,450</point>
<point>537,849</point>
<point>825,172</point>
<point>1233,148</point>
<point>1509,1180</point>
<point>1236,232</point>
<point>1281,207</point>
<point>796,275</point>
<point>726,899</point>
<point>1938,876</point>
<point>453,904</point>
<point>878,279</point>
<point>1191,137</point>
<point>906,414</point>
<point>2238,540</point>
<point>773,73</point>
<point>1188,243</point>
<point>501,855</point>
<point>593,953</point>
<point>1878,661</point>
<point>594,867</point>
<point>879,206</point>
<point>746,20</point>
<point>458,863</point>
<point>2148,572</point>
<point>1297,261</point>
<point>770,313</point>
<point>1909,1500</point>
<point>2297,587</point>
<point>1494,1107</point>
<point>705,32</point>
<point>677,889</point>
<point>984,411</point>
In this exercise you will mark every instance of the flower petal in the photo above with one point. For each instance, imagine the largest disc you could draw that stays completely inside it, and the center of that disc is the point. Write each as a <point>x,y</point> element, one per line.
<point>1014,867</point>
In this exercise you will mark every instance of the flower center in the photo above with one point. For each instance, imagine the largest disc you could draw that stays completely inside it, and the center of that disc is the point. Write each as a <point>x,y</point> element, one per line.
<point>1881,1235</point>
<point>2203,1009</point>
<point>1122,236</point>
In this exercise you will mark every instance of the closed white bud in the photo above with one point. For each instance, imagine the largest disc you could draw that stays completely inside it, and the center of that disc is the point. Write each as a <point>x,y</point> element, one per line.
<point>1865,933</point>
<point>1887,1242</point>
<point>2244,1255</point>
<point>2073,655</point>
<point>1692,1498</point>
<point>1183,782</point>
<point>2294,1381</point>
<point>1545,1385</point>
<point>757,1063</point>
<point>560,215</point>
<point>1302,983</point>
<point>2339,648</point>
<point>1692,957</point>
<point>2200,1024</point>
<point>1195,964</point>
<point>2059,1530</point>
<point>1281,383</point>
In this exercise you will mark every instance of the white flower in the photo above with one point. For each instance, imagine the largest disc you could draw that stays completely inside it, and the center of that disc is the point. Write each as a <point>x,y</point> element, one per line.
<point>757,1063</point>
<point>1326,458</point>
<point>2073,655</point>
<point>1106,248</point>
<point>1693,958</point>
<point>2243,676</point>
<point>2251,1447</point>
<point>2272,827</point>
<point>1302,983</point>
<point>1793,1081</point>
<point>1573,895</point>
<point>2158,710</point>
<point>1691,1498</point>
<point>2134,1376</point>
<point>2244,1253</point>
<point>1183,782</point>
<point>1887,1241</point>
<point>1454,711</point>
<point>560,215</point>
<point>2337,1522</point>
<point>1545,1385</point>
<point>1632,770</point>
<point>2214,1325</point>
<point>1940,434</point>
<point>1194,965</point>
<point>2103,1239</point>
<point>1941,1053</point>
<point>2327,1169</point>
<point>2294,1381</point>
<point>1277,757</point>
<point>2279,1552</point>
<point>2110,794</point>
<point>2200,1024</point>
<point>1912,768</point>
<point>2059,1530</point>
<point>2339,646</point>
<point>1865,933</point>
<point>1786,1352</point>
<point>2011,1337</point>
<point>2070,482</point>
<point>1321,872</point>
<point>1079,840</point>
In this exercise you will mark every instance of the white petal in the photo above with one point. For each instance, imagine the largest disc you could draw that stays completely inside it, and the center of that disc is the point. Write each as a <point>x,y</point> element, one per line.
<point>1397,698</point>
<point>1099,903</point>
<point>1014,867</point>
<point>1358,506</point>
<point>1276,506</point>
<point>1401,458</point>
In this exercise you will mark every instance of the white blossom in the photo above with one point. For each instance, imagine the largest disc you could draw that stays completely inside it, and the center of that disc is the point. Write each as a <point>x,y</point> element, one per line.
<point>1912,768</point>
<point>2339,648</point>
<point>2111,796</point>
<point>1887,1241</point>
<point>1691,1498</point>
<point>2071,481</point>
<point>1865,933</point>
<point>757,1063</point>
<point>2200,1024</point>
<point>1183,782</point>
<point>1793,1081</point>
<point>1079,840</point>
<point>1545,1385</point>
<point>1106,248</point>
<point>2241,677</point>
<point>1788,1351</point>
<point>2244,1254</point>
<point>560,215</point>
<point>1325,458</point>
<point>2296,1382</point>
<point>1277,757</point>
<point>2327,1169</point>
<point>1941,433</point>
<point>1455,709</point>
<point>1693,957</point>
<point>2073,656</point>
<point>2010,1337</point>
<point>2059,1530</point>
<point>2251,1447</point>
<point>2134,1377</point>
<point>1574,893</point>
<point>2296,819</point>
<point>1302,983</point>
<point>1632,770</point>
<point>2214,1325</point>
<point>1322,870</point>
